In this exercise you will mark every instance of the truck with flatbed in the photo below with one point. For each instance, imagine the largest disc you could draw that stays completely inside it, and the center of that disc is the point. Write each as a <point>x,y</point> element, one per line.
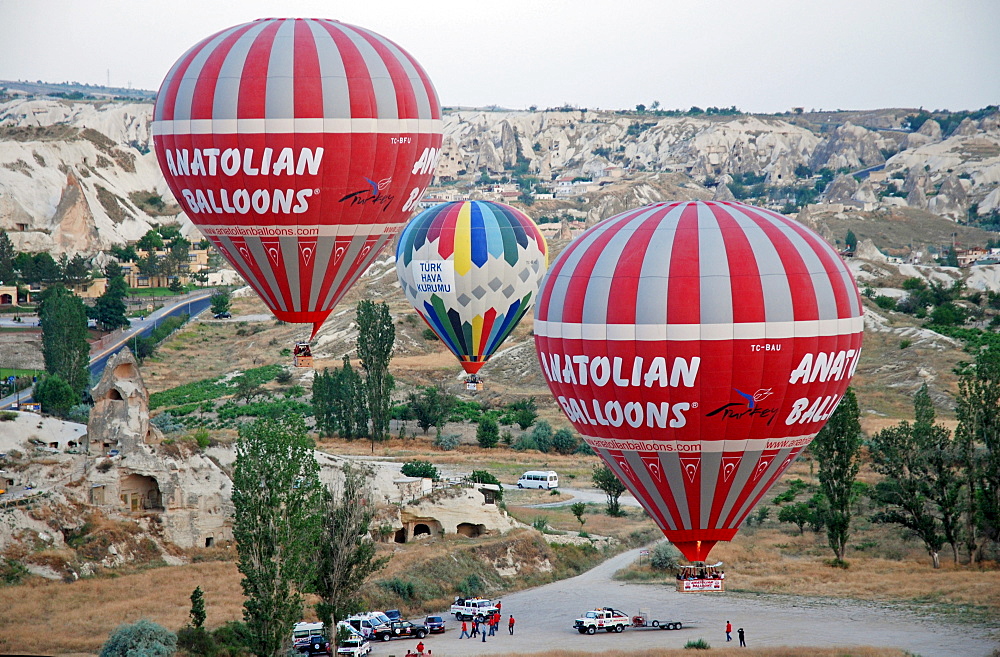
<point>603,618</point>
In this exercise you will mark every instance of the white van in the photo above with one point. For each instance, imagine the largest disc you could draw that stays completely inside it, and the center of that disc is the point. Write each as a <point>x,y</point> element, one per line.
<point>303,632</point>
<point>538,479</point>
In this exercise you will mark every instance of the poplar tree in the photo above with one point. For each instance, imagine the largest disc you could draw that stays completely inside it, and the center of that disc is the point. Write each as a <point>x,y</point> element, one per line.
<point>836,448</point>
<point>347,553</point>
<point>64,337</point>
<point>276,524</point>
<point>606,480</point>
<point>376,338</point>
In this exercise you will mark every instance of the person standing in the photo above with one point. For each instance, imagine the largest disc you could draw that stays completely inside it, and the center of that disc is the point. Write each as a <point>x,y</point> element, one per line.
<point>420,648</point>
<point>510,624</point>
<point>484,634</point>
<point>729,631</point>
<point>465,631</point>
<point>743,642</point>
<point>491,622</point>
<point>475,628</point>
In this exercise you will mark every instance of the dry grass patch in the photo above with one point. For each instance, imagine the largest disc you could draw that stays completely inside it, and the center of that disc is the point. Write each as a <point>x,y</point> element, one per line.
<point>87,611</point>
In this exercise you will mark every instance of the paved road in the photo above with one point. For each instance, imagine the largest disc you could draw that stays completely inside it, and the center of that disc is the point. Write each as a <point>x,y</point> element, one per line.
<point>587,495</point>
<point>545,617</point>
<point>193,304</point>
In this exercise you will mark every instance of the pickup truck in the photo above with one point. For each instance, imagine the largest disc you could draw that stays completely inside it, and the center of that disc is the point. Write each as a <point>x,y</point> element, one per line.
<point>399,630</point>
<point>469,608</point>
<point>604,618</point>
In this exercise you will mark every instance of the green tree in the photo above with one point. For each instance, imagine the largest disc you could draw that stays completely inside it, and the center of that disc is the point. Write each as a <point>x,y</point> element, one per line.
<point>109,310</point>
<point>418,468</point>
<point>340,402</point>
<point>277,525</point>
<point>7,255</point>
<point>488,432</point>
<point>605,480</point>
<point>376,338</point>
<point>564,442</point>
<point>75,270</point>
<point>149,264</point>
<point>144,638</point>
<point>347,553</point>
<point>431,407</point>
<point>220,302</point>
<point>907,491</point>
<point>837,447</point>
<point>525,412</point>
<point>197,608</point>
<point>64,337</point>
<point>978,434</point>
<point>484,477</point>
<point>578,509</point>
<point>150,241</point>
<point>55,395</point>
<point>541,435</point>
<point>851,240</point>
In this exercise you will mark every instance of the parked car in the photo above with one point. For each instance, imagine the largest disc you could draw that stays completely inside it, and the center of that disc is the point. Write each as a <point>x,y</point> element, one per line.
<point>393,615</point>
<point>223,315</point>
<point>400,630</point>
<point>434,624</point>
<point>318,646</point>
<point>355,646</point>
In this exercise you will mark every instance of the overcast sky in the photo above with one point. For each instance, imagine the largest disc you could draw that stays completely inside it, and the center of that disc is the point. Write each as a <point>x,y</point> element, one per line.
<point>760,55</point>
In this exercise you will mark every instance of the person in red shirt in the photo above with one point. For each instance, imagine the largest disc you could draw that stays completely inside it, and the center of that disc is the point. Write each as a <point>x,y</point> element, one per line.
<point>420,648</point>
<point>510,624</point>
<point>729,631</point>
<point>465,631</point>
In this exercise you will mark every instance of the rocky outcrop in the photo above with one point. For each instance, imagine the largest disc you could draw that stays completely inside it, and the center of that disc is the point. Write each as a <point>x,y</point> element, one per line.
<point>849,146</point>
<point>841,190</point>
<point>952,199</point>
<point>131,471</point>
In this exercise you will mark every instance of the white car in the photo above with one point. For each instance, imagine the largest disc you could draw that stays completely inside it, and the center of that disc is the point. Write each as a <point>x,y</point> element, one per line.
<point>355,647</point>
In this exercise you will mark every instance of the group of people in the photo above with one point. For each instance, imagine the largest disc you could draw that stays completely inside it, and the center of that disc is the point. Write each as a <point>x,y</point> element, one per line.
<point>490,624</point>
<point>740,633</point>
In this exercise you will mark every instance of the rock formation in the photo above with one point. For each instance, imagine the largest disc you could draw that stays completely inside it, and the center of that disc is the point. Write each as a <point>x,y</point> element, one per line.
<point>131,471</point>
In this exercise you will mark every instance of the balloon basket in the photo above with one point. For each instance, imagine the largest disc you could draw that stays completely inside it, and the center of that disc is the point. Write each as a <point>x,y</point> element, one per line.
<point>303,355</point>
<point>701,578</point>
<point>473,382</point>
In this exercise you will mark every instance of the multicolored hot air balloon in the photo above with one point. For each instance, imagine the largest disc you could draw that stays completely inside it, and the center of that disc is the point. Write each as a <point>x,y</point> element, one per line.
<point>698,348</point>
<point>471,269</point>
<point>298,147</point>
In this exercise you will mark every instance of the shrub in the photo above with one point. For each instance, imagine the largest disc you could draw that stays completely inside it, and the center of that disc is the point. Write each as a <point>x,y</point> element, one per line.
<point>447,441</point>
<point>885,303</point>
<point>541,523</point>
<point>525,441</point>
<point>542,436</point>
<point>699,644</point>
<point>12,572</point>
<point>403,589</point>
<point>664,557</point>
<point>143,638</point>
<point>283,377</point>
<point>418,468</point>
<point>564,441</point>
<point>202,437</point>
<point>488,433</point>
<point>79,413</point>
<point>471,586</point>
<point>166,423</point>
<point>8,416</point>
<point>903,344</point>
<point>430,335</point>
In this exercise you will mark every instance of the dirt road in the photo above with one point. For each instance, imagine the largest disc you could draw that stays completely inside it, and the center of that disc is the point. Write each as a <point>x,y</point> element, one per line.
<point>545,615</point>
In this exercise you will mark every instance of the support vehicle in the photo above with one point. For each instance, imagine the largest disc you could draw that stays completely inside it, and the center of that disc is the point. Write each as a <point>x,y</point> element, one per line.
<point>469,608</point>
<point>643,620</point>
<point>400,630</point>
<point>603,618</point>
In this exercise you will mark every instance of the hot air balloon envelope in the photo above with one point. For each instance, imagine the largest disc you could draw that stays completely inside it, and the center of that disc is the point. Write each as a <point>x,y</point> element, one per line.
<point>298,147</point>
<point>698,348</point>
<point>471,269</point>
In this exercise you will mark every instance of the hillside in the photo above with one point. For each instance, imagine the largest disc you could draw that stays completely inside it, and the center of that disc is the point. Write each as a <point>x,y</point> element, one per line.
<point>78,176</point>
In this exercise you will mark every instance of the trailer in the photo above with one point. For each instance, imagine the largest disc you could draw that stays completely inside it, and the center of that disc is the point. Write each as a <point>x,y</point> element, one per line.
<point>642,620</point>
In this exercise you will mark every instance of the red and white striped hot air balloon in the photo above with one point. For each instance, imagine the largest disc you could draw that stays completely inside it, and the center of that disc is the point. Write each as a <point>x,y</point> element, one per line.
<point>698,347</point>
<point>298,147</point>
